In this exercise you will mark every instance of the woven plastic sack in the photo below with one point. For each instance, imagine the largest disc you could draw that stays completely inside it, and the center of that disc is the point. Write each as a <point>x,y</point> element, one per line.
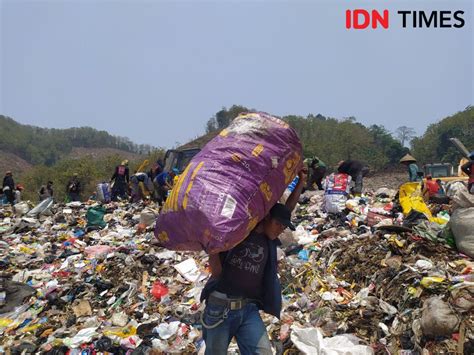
<point>230,185</point>
<point>337,190</point>
<point>103,192</point>
<point>462,225</point>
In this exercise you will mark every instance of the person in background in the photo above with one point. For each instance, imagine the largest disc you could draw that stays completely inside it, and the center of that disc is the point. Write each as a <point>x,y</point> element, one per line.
<point>121,180</point>
<point>317,171</point>
<point>8,187</point>
<point>156,169</point>
<point>18,190</point>
<point>164,183</point>
<point>431,186</point>
<point>141,187</point>
<point>357,171</point>
<point>413,171</point>
<point>73,188</point>
<point>46,191</point>
<point>441,190</point>
<point>468,169</point>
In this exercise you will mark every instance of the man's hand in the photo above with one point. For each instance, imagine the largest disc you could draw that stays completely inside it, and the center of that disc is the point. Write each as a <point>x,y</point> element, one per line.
<point>303,175</point>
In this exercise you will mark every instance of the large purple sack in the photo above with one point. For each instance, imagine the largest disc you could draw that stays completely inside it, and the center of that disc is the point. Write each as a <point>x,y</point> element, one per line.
<point>230,185</point>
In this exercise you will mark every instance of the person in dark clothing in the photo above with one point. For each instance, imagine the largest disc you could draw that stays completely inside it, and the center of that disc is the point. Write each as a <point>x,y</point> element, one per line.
<point>46,191</point>
<point>156,170</point>
<point>163,183</point>
<point>244,280</point>
<point>8,187</point>
<point>357,170</point>
<point>468,169</point>
<point>317,172</point>
<point>122,178</point>
<point>73,188</point>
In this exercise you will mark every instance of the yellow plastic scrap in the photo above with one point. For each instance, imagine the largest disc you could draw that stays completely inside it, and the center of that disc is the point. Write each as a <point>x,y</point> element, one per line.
<point>26,250</point>
<point>30,328</point>
<point>428,281</point>
<point>415,291</point>
<point>332,266</point>
<point>4,322</point>
<point>394,240</point>
<point>411,198</point>
<point>121,332</point>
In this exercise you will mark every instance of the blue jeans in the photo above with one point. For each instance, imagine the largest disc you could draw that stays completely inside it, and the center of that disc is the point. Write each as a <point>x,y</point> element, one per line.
<point>244,324</point>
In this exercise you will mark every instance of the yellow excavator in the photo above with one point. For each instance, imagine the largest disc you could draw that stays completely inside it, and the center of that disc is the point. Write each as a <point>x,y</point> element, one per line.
<point>445,171</point>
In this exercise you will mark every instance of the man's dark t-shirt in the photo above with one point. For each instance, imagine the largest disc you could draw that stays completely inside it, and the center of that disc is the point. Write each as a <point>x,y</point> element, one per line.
<point>244,265</point>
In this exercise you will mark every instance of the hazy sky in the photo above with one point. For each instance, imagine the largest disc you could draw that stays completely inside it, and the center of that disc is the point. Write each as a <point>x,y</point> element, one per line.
<point>155,71</point>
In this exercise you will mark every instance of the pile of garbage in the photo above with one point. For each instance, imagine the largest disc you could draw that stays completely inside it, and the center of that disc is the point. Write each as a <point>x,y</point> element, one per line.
<point>90,278</point>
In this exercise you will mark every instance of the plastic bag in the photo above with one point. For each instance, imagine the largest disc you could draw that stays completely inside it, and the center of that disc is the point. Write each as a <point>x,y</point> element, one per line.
<point>159,290</point>
<point>310,341</point>
<point>95,216</point>
<point>411,200</point>
<point>438,319</point>
<point>21,208</point>
<point>230,185</point>
<point>41,208</point>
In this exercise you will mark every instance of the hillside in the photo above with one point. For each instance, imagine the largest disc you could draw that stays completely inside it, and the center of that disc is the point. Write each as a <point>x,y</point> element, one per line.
<point>47,146</point>
<point>10,161</point>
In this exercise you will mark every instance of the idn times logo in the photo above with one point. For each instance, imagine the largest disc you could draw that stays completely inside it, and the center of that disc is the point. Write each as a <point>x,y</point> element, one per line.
<point>361,19</point>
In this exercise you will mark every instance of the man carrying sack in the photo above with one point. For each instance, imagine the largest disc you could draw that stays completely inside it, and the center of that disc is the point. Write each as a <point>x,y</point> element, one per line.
<point>244,280</point>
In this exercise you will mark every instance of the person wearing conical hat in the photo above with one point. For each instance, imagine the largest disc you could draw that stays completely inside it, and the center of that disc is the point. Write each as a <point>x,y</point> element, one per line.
<point>121,179</point>
<point>410,162</point>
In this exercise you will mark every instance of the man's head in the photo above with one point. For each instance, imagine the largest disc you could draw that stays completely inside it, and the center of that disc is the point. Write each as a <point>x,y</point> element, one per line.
<point>75,175</point>
<point>429,177</point>
<point>277,221</point>
<point>174,172</point>
<point>19,187</point>
<point>407,159</point>
<point>8,173</point>
<point>125,162</point>
<point>50,183</point>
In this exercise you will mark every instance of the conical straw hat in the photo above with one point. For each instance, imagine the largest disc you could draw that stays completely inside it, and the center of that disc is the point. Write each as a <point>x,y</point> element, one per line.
<point>407,158</point>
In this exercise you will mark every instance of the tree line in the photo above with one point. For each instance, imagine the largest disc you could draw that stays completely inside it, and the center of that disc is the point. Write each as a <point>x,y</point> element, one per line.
<point>334,139</point>
<point>331,139</point>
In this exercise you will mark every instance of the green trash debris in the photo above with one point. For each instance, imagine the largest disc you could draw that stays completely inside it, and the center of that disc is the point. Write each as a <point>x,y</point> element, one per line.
<point>95,217</point>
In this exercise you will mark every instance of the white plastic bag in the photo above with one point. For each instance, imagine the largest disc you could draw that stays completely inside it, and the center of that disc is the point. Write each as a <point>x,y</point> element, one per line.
<point>310,341</point>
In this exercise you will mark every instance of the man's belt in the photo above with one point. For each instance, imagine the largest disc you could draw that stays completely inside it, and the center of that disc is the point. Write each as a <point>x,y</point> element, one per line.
<point>232,304</point>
